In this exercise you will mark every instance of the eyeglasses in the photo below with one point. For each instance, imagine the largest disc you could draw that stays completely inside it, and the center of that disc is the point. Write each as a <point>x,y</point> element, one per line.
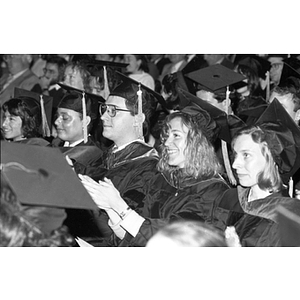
<point>110,109</point>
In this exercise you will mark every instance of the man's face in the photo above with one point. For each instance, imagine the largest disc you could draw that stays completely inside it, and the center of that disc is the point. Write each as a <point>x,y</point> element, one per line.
<point>52,73</point>
<point>286,101</point>
<point>120,128</point>
<point>133,63</point>
<point>69,125</point>
<point>276,69</point>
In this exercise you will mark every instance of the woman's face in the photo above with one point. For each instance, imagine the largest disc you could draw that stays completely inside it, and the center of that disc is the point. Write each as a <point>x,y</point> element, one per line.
<point>69,125</point>
<point>73,78</point>
<point>12,127</point>
<point>176,143</point>
<point>134,64</point>
<point>249,160</point>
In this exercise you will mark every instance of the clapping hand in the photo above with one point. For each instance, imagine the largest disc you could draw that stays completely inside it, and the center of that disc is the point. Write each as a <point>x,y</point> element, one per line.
<point>104,193</point>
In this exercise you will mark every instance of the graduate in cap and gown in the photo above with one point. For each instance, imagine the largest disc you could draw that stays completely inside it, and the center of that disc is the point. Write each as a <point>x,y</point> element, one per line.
<point>186,186</point>
<point>267,154</point>
<point>77,114</point>
<point>130,162</point>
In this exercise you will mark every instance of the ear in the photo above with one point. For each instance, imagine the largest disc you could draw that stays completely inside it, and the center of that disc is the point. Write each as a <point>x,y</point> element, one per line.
<point>297,116</point>
<point>88,120</point>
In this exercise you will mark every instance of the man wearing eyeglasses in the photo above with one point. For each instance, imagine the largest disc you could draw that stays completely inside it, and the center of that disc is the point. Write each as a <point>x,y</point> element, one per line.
<point>130,162</point>
<point>19,75</point>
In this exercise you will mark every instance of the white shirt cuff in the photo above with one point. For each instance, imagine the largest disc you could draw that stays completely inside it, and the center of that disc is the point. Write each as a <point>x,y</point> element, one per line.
<point>117,229</point>
<point>132,223</point>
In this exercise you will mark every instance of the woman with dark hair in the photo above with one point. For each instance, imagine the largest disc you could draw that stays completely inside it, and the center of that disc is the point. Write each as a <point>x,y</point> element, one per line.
<point>265,154</point>
<point>22,124</point>
<point>22,121</point>
<point>186,187</point>
<point>138,69</point>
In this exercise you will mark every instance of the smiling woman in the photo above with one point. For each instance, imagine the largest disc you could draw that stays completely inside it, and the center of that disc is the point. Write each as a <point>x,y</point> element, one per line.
<point>186,187</point>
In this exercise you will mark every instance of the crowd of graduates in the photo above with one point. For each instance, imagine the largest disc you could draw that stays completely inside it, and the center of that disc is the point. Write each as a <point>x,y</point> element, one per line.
<point>150,150</point>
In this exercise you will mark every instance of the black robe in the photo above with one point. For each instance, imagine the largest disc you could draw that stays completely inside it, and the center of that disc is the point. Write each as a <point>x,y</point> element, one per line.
<point>256,221</point>
<point>130,170</point>
<point>168,200</point>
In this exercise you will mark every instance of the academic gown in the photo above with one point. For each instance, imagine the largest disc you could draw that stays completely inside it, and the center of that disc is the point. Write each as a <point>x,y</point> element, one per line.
<point>256,221</point>
<point>170,200</point>
<point>130,170</point>
<point>83,155</point>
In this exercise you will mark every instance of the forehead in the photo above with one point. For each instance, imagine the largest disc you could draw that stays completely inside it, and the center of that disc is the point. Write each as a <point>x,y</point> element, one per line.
<point>177,124</point>
<point>51,66</point>
<point>67,111</point>
<point>117,101</point>
<point>245,143</point>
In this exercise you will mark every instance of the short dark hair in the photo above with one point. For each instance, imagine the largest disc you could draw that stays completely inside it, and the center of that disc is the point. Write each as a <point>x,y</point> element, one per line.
<point>60,62</point>
<point>28,109</point>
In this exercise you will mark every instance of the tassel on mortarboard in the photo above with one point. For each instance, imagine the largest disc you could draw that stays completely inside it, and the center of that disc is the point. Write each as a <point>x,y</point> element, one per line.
<point>138,117</point>
<point>291,187</point>
<point>84,119</point>
<point>267,85</point>
<point>45,126</point>
<point>228,169</point>
<point>106,86</point>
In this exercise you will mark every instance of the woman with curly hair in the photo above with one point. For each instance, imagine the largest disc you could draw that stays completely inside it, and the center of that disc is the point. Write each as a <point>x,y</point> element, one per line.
<point>186,187</point>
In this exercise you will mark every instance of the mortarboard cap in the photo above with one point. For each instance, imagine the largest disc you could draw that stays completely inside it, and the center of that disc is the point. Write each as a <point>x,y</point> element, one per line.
<point>45,109</point>
<point>95,67</point>
<point>293,62</point>
<point>252,108</point>
<point>286,73</point>
<point>80,101</point>
<point>219,116</point>
<point>203,119</point>
<point>128,88</point>
<point>41,176</point>
<point>284,142</point>
<point>289,224</point>
<point>215,77</point>
<point>94,98</point>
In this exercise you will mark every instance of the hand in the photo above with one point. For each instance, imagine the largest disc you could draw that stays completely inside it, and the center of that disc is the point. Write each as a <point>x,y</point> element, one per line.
<point>104,193</point>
